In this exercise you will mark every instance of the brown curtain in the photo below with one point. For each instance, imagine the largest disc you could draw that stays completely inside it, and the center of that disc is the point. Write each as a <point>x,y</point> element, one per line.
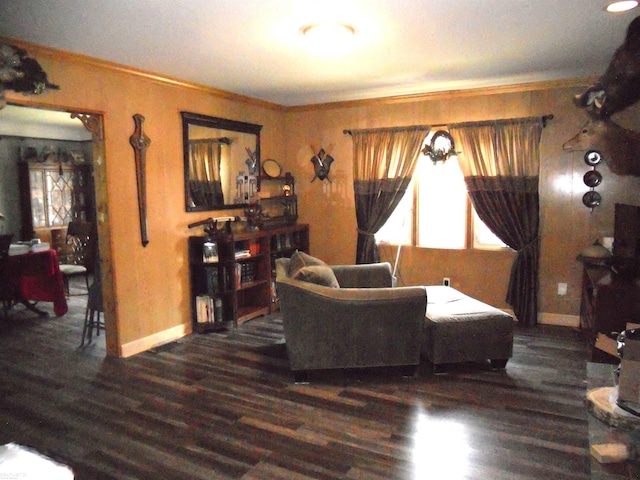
<point>384,161</point>
<point>501,162</point>
<point>205,186</point>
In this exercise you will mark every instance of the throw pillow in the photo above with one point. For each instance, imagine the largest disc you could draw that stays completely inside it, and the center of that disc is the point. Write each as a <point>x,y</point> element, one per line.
<point>318,274</point>
<point>300,259</point>
<point>306,268</point>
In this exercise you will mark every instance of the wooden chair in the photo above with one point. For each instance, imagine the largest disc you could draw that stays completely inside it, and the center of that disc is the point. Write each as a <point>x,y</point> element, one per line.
<point>92,316</point>
<point>78,257</point>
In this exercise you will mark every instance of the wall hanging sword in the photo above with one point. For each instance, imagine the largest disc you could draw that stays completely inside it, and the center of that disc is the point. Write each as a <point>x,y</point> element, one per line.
<point>140,142</point>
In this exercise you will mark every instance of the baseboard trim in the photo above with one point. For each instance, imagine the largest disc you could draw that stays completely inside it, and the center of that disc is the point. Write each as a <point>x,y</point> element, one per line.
<point>160,338</point>
<point>559,319</point>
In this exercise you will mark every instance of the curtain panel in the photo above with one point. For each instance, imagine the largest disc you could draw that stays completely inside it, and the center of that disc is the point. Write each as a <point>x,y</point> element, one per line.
<point>384,161</point>
<point>501,162</point>
<point>204,172</point>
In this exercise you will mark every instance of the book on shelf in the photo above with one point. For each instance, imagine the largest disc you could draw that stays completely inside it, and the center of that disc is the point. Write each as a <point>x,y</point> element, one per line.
<point>204,310</point>
<point>208,309</point>
<point>254,248</point>
<point>242,254</point>
<point>238,275</point>
<point>210,252</point>
<point>247,272</point>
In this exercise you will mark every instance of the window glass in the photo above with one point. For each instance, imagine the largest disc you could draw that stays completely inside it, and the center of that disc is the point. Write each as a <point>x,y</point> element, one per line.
<point>442,205</point>
<point>483,237</point>
<point>397,230</point>
<point>440,216</point>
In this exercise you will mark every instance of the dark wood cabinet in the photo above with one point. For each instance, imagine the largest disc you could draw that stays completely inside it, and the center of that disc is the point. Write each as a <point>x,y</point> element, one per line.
<point>236,282</point>
<point>607,305</point>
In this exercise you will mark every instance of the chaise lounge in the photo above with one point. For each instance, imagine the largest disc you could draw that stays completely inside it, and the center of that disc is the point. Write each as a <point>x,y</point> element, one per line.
<point>458,328</point>
<point>358,321</point>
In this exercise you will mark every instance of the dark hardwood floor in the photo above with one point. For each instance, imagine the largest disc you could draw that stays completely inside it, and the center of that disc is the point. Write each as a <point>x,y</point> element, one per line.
<point>223,406</point>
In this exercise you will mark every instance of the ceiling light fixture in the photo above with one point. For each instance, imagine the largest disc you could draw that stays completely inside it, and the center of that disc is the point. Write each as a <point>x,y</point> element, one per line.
<point>328,38</point>
<point>622,6</point>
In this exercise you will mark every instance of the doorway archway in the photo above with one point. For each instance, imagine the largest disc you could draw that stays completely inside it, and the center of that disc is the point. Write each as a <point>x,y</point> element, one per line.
<point>94,123</point>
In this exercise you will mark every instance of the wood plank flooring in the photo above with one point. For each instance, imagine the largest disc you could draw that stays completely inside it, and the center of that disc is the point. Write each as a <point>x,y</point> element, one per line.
<point>223,406</point>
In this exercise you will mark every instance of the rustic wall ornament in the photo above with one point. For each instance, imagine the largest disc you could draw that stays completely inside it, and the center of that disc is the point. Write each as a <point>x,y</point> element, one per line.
<point>592,179</point>
<point>91,123</point>
<point>321,163</point>
<point>21,73</point>
<point>140,142</point>
<point>441,147</point>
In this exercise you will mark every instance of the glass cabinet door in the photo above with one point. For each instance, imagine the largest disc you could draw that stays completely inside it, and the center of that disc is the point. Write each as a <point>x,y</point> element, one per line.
<point>51,196</point>
<point>59,197</point>
<point>36,187</point>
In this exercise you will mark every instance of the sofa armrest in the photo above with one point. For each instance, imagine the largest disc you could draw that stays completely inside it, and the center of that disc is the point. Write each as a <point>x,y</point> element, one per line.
<point>348,327</point>
<point>372,275</point>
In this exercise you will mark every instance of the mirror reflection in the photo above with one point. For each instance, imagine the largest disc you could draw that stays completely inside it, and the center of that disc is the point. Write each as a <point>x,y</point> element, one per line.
<point>221,162</point>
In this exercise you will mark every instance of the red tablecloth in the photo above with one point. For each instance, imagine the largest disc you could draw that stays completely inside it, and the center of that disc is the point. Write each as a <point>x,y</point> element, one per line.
<point>38,278</point>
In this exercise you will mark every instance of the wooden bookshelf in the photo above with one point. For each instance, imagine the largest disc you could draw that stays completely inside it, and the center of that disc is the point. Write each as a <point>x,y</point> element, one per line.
<point>240,285</point>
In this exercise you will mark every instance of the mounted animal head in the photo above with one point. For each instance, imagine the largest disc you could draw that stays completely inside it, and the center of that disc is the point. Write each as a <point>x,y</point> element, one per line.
<point>619,86</point>
<point>620,147</point>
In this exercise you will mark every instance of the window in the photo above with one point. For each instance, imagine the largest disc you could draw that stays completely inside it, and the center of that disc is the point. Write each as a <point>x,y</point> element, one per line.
<point>442,205</point>
<point>437,208</point>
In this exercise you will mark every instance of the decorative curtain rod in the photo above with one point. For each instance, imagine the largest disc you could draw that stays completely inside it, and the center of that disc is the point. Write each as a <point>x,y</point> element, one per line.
<point>388,129</point>
<point>545,119</point>
<point>224,140</point>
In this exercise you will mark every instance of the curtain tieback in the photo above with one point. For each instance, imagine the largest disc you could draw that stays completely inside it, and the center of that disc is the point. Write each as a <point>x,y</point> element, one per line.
<point>367,234</point>
<point>528,245</point>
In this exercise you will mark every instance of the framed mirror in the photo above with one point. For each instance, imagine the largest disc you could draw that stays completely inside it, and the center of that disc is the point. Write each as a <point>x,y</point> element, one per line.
<point>221,161</point>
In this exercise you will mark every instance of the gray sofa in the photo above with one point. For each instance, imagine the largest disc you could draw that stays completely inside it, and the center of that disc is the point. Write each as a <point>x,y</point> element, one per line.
<point>364,323</point>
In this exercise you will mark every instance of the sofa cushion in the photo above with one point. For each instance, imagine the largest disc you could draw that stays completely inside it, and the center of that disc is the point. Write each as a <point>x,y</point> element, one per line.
<point>318,274</point>
<point>306,268</point>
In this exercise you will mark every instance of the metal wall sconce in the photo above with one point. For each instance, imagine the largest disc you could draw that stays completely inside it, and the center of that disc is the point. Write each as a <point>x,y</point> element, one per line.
<point>592,179</point>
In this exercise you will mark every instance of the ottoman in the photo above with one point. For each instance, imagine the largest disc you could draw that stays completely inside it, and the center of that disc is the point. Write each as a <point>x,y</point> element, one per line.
<point>458,328</point>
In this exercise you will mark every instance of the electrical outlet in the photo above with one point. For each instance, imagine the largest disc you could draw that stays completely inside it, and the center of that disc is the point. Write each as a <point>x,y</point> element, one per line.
<point>562,289</point>
<point>446,281</point>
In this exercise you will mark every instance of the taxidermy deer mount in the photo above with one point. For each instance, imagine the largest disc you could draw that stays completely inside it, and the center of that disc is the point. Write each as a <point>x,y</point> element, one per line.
<point>617,89</point>
<point>321,163</point>
<point>621,147</point>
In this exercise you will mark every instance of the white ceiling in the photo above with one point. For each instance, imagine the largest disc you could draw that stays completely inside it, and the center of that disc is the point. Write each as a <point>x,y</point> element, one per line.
<point>255,48</point>
<point>40,123</point>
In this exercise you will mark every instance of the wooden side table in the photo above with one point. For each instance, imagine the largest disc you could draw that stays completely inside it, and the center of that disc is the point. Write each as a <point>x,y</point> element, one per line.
<point>602,375</point>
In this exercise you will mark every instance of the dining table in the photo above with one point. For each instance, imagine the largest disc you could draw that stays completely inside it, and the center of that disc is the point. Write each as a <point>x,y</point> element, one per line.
<point>35,277</point>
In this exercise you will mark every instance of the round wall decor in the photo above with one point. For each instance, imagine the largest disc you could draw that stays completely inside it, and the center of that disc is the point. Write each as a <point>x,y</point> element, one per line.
<point>592,158</point>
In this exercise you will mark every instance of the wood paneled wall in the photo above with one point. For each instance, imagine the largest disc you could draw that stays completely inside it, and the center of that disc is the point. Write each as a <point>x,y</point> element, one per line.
<point>567,227</point>
<point>151,284</point>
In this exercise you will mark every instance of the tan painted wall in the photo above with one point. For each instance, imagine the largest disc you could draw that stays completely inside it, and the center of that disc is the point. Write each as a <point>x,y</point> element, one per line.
<point>151,284</point>
<point>567,226</point>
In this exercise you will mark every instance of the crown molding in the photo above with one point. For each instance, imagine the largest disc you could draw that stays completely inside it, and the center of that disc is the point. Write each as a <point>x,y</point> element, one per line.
<point>63,55</point>
<point>448,94</point>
